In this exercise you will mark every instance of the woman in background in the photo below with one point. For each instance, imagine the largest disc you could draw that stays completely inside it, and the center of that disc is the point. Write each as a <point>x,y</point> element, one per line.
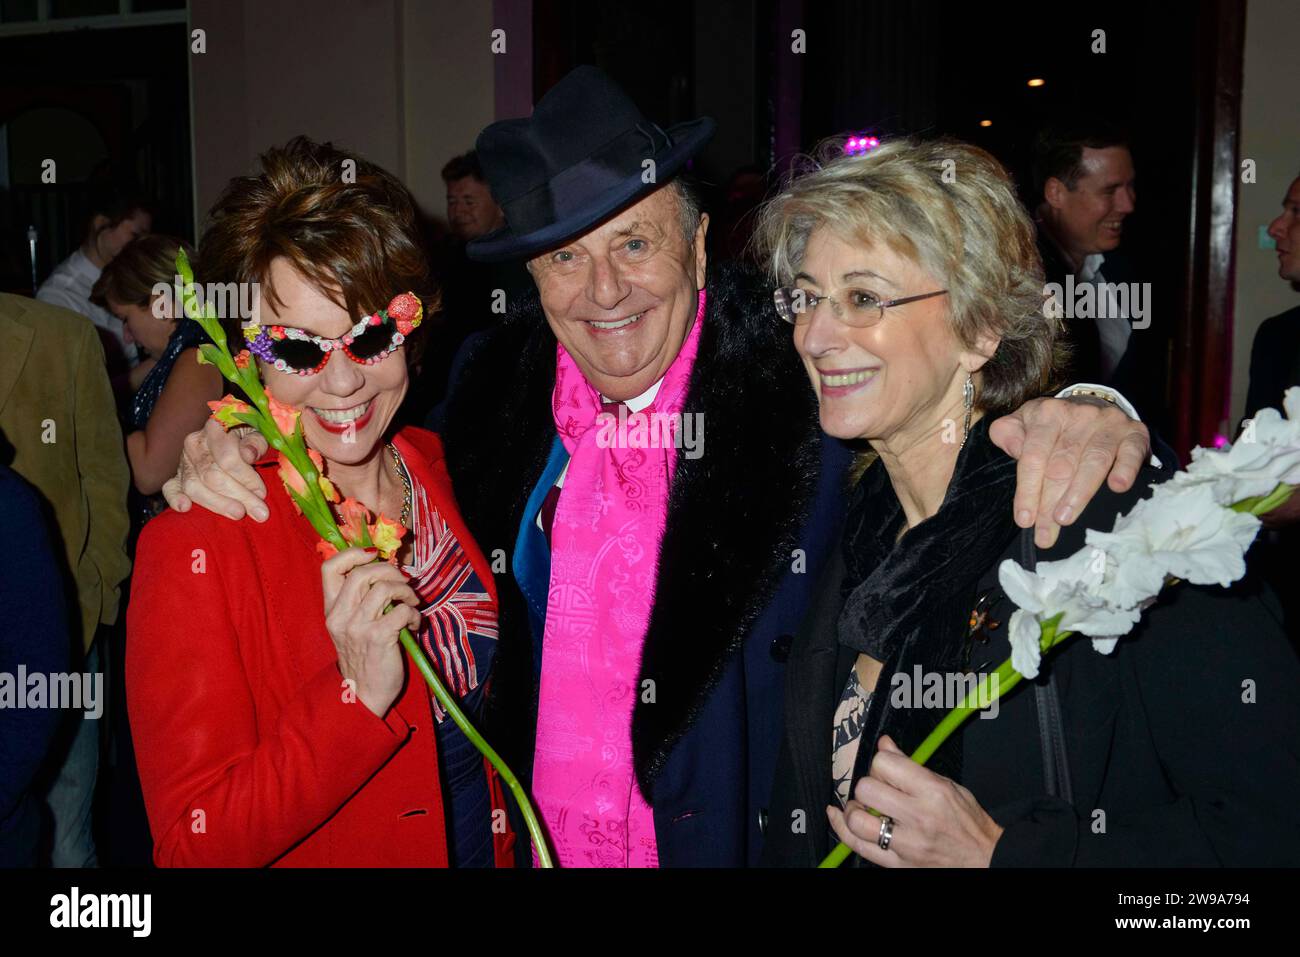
<point>172,401</point>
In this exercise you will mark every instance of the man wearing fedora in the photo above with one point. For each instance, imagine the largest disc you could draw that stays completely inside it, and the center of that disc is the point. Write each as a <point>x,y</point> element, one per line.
<point>647,593</point>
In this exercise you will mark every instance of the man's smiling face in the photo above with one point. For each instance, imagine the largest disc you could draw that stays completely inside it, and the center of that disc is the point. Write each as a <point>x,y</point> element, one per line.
<point>1090,217</point>
<point>621,298</point>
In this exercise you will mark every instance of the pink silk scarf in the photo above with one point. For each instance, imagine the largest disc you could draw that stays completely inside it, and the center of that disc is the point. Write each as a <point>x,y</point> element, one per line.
<point>609,522</point>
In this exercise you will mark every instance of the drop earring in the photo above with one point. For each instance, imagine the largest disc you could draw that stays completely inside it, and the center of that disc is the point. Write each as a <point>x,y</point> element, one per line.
<point>968,399</point>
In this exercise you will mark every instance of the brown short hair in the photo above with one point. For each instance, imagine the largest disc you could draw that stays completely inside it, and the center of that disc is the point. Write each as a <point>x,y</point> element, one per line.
<point>1058,149</point>
<point>133,273</point>
<point>116,200</point>
<point>458,167</point>
<point>346,225</point>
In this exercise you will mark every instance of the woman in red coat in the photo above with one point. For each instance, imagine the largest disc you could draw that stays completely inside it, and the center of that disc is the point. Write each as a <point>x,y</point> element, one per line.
<point>275,719</point>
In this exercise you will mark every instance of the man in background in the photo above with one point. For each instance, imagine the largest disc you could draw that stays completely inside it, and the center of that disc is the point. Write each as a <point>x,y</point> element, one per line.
<point>1274,368</point>
<point>475,295</point>
<point>1085,179</point>
<point>1275,356</point>
<point>117,216</point>
<point>471,210</point>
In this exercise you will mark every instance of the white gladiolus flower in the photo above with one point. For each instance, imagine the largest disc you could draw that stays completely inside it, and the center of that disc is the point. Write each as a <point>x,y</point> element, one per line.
<point>1186,529</point>
<point>1183,532</point>
<point>1268,453</point>
<point>1024,633</point>
<point>1073,587</point>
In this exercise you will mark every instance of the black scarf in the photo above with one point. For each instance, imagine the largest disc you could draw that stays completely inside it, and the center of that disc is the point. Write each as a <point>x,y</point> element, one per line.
<point>892,588</point>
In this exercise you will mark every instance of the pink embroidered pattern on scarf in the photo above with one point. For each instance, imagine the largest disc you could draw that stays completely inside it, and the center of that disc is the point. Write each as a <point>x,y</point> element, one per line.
<point>609,522</point>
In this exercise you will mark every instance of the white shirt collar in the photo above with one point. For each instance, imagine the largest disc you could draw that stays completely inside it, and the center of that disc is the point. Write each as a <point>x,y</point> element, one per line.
<point>641,401</point>
<point>1091,267</point>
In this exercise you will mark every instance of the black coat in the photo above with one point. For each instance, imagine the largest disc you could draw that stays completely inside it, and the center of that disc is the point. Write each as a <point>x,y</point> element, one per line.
<point>748,525</point>
<point>1274,368</point>
<point>1169,765</point>
<point>1274,361</point>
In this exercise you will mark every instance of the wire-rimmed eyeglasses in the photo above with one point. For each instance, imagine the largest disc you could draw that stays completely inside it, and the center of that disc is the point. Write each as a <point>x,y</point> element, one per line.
<point>796,305</point>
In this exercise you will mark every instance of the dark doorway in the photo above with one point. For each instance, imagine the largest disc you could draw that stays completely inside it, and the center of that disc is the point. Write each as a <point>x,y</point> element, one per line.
<point>99,103</point>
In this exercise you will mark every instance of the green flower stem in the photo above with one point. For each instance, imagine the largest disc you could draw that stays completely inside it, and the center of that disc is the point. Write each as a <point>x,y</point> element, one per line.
<point>317,509</point>
<point>1265,503</point>
<point>452,708</point>
<point>1007,679</point>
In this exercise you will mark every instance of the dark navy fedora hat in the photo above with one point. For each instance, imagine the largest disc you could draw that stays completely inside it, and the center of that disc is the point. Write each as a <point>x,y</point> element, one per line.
<point>580,157</point>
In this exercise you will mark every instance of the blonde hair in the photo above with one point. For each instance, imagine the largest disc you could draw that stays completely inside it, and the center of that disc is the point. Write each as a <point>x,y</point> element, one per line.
<point>951,208</point>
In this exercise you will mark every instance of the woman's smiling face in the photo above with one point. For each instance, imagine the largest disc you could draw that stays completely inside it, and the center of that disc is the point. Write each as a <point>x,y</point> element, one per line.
<point>346,406</point>
<point>898,376</point>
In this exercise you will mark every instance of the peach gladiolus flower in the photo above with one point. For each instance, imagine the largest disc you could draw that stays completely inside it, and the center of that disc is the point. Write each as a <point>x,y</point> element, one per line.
<point>226,408</point>
<point>285,416</point>
<point>355,521</point>
<point>387,536</point>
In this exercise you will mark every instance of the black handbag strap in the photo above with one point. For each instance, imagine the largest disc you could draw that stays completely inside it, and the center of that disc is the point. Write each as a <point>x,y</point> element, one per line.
<point>1051,729</point>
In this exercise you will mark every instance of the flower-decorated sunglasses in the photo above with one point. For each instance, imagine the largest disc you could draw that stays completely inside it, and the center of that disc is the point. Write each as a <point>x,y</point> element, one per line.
<point>369,341</point>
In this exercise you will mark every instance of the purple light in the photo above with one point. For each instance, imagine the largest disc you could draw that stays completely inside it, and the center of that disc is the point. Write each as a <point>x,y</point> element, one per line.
<point>860,144</point>
<point>1220,441</point>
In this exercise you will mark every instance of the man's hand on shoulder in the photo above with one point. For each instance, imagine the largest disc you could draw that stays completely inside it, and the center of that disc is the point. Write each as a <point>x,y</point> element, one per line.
<point>1065,449</point>
<point>216,473</point>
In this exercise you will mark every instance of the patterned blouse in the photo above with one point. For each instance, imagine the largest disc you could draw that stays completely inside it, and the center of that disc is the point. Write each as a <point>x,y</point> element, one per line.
<point>850,714</point>
<point>459,634</point>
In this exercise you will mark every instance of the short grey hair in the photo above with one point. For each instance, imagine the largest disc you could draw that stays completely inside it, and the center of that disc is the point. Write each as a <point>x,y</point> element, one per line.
<point>951,208</point>
<point>688,206</point>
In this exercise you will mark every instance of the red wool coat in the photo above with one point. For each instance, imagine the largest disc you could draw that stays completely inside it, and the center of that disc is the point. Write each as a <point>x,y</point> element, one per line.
<point>249,755</point>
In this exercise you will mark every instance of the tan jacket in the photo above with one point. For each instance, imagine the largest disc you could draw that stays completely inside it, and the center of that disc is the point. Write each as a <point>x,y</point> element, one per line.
<point>58,418</point>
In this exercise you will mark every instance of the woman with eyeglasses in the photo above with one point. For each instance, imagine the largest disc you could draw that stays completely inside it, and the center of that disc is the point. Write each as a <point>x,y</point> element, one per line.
<point>275,718</point>
<point>910,277</point>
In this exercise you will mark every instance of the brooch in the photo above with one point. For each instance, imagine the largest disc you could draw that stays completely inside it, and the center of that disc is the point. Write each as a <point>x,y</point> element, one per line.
<point>980,624</point>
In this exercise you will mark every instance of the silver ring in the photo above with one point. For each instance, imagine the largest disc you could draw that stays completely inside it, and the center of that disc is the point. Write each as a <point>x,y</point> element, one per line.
<point>886,832</point>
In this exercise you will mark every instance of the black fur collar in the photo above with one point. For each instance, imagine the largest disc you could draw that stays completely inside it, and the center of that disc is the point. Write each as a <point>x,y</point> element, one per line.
<point>733,513</point>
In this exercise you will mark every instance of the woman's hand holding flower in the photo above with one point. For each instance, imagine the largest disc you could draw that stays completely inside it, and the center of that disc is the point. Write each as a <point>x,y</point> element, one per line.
<point>937,822</point>
<point>357,590</point>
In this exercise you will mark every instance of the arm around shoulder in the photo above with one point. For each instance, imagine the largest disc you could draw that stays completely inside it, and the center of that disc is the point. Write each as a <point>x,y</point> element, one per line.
<point>182,408</point>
